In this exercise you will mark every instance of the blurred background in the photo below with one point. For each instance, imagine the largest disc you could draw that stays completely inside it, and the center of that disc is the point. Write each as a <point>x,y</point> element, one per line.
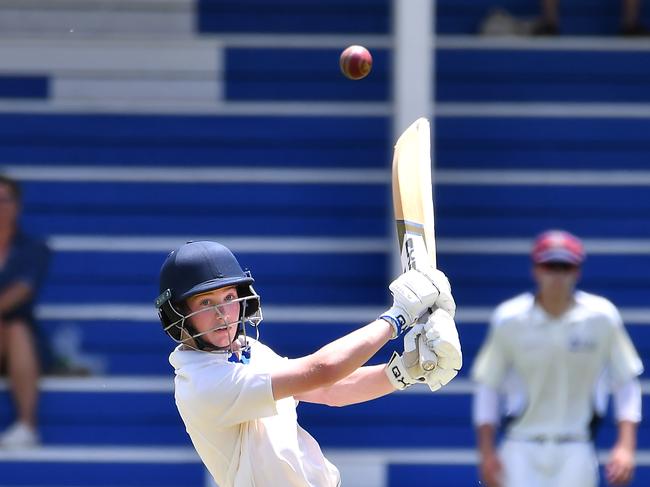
<point>135,125</point>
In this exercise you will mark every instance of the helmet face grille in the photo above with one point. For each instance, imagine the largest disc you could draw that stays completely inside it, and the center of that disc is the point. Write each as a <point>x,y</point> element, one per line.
<point>179,328</point>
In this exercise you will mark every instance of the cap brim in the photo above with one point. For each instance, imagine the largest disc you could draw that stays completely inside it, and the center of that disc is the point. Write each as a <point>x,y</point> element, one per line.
<point>557,255</point>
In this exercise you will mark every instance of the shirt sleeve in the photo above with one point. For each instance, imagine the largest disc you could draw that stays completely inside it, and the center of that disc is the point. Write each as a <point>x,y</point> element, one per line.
<point>233,394</point>
<point>491,365</point>
<point>627,401</point>
<point>485,407</point>
<point>625,362</point>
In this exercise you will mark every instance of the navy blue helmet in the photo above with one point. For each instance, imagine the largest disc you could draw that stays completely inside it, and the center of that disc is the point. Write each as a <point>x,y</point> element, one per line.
<point>198,267</point>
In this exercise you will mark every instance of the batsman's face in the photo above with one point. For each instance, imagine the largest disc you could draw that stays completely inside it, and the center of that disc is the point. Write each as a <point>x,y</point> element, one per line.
<point>217,315</point>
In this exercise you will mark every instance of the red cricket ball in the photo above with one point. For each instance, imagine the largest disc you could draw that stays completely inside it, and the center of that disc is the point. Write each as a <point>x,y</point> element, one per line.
<point>355,62</point>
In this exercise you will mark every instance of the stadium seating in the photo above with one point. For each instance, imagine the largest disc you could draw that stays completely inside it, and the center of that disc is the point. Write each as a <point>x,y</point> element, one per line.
<point>115,189</point>
<point>578,17</point>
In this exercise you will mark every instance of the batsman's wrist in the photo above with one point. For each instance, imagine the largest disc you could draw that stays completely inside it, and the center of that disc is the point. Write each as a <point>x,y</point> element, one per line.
<point>397,318</point>
<point>393,325</point>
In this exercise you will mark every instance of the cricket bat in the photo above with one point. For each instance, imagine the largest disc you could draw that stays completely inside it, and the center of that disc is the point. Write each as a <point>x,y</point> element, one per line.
<point>413,206</point>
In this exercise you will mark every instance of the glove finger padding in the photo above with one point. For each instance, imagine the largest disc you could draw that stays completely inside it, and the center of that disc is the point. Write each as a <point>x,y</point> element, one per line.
<point>442,339</point>
<point>448,356</point>
<point>439,377</point>
<point>444,300</point>
<point>446,303</point>
<point>412,352</point>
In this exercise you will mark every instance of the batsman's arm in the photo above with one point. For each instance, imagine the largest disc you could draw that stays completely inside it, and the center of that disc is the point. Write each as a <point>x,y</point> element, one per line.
<point>413,295</point>
<point>364,384</point>
<point>330,364</point>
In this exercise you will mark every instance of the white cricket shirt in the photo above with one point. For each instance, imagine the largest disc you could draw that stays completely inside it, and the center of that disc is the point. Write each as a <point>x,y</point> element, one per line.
<point>551,367</point>
<point>244,437</point>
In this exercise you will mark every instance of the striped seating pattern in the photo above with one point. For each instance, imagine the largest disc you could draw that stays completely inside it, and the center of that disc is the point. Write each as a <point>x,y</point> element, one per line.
<point>253,74</point>
<point>139,348</point>
<point>13,87</point>
<point>147,419</point>
<point>542,143</point>
<point>106,474</point>
<point>372,17</point>
<point>554,76</point>
<point>48,145</point>
<point>360,16</point>
<point>185,140</point>
<point>209,208</point>
<point>577,17</point>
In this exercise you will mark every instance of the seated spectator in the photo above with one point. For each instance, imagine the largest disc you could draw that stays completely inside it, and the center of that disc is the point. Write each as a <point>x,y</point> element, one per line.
<point>631,25</point>
<point>23,266</point>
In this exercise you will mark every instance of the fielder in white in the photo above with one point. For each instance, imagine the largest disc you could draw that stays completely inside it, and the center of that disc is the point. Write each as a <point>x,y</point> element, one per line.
<point>552,357</point>
<point>238,398</point>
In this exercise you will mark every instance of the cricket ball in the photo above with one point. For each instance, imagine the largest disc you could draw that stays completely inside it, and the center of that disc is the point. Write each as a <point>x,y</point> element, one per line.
<point>355,62</point>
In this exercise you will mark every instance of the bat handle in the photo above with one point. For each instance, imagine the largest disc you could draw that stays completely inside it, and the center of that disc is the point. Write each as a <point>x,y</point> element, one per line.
<point>428,359</point>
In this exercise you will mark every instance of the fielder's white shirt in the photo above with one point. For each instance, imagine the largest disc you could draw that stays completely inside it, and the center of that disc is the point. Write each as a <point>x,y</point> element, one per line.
<point>244,437</point>
<point>551,368</point>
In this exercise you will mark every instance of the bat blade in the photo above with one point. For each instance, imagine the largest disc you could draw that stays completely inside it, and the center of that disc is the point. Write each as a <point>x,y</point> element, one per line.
<point>413,206</point>
<point>412,195</point>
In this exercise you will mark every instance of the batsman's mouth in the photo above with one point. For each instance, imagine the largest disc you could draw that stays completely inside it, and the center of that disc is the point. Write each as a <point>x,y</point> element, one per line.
<point>219,328</point>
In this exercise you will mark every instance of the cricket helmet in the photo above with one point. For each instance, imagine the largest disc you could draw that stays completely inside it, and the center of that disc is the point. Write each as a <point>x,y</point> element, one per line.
<point>198,267</point>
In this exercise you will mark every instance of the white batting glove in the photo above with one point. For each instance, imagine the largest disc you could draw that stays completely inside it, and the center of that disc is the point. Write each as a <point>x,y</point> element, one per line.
<point>405,370</point>
<point>445,300</point>
<point>398,374</point>
<point>413,294</point>
<point>441,337</point>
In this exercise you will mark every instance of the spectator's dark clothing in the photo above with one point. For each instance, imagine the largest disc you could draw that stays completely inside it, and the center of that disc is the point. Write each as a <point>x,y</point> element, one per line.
<point>27,262</point>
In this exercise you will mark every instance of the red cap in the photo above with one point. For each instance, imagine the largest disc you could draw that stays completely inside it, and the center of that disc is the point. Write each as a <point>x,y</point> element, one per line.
<point>558,246</point>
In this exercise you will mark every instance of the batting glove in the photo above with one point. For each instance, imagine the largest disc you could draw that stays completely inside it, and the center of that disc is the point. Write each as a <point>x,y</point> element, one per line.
<point>441,337</point>
<point>437,341</point>
<point>406,369</point>
<point>444,300</point>
<point>413,294</point>
<point>398,373</point>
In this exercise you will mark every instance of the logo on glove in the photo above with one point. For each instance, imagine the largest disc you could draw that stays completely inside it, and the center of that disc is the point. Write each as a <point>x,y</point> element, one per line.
<point>398,376</point>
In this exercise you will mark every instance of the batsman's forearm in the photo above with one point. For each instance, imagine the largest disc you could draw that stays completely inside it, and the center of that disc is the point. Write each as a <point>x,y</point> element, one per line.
<point>342,357</point>
<point>330,364</point>
<point>364,384</point>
